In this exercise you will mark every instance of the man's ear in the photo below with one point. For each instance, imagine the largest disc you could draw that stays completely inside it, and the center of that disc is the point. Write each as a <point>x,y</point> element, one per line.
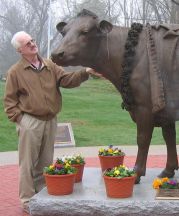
<point>18,50</point>
<point>105,26</point>
<point>60,26</point>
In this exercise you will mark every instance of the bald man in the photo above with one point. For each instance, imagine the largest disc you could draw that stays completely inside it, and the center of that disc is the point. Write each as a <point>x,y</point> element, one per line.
<point>32,100</point>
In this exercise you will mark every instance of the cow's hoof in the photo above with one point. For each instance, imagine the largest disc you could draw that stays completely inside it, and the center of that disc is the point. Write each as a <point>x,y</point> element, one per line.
<point>137,180</point>
<point>166,173</point>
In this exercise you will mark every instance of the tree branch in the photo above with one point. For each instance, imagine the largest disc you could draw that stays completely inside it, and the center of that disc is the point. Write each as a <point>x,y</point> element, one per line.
<point>175,1</point>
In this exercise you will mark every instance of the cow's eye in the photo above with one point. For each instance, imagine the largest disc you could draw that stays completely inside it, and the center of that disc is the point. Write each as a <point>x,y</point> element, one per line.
<point>84,32</point>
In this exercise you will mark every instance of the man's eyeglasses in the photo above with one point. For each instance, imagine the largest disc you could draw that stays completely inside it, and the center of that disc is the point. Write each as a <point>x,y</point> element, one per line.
<point>31,42</point>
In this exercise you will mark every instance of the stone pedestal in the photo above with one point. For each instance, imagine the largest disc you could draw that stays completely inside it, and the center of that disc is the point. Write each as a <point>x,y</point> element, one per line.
<point>89,199</point>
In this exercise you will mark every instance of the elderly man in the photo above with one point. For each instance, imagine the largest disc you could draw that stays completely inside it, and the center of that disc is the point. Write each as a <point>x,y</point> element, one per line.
<point>32,100</point>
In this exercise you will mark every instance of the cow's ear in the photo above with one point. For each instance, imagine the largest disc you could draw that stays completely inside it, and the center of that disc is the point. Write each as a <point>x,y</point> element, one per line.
<point>105,26</point>
<point>60,26</point>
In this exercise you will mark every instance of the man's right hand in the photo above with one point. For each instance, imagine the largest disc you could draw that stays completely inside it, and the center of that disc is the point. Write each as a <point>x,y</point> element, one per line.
<point>92,72</point>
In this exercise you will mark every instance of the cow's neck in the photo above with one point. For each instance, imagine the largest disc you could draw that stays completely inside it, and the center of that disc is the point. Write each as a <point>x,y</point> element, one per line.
<point>109,59</point>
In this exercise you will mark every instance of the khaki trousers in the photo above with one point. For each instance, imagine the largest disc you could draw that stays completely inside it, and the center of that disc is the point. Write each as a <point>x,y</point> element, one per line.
<point>36,150</point>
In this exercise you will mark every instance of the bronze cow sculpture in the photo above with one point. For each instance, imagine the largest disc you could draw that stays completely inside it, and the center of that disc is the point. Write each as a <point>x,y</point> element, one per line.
<point>142,64</point>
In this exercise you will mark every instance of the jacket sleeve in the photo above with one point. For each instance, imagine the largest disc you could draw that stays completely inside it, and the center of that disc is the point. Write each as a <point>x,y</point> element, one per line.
<point>11,97</point>
<point>70,79</point>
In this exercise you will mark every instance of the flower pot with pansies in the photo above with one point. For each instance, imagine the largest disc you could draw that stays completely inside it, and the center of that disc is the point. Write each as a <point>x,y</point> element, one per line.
<point>59,180</point>
<point>119,181</point>
<point>166,188</point>
<point>77,161</point>
<point>110,157</point>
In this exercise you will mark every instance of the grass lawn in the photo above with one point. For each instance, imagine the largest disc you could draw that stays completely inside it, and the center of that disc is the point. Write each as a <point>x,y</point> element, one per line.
<point>94,110</point>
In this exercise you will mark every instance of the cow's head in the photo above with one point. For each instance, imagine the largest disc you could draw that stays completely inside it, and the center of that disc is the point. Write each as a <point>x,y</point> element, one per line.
<point>81,39</point>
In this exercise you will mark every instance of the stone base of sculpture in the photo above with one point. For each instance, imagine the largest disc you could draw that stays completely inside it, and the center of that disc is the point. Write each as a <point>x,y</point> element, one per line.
<point>89,198</point>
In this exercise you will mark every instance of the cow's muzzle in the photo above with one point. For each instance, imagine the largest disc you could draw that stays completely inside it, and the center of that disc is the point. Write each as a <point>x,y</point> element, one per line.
<point>57,56</point>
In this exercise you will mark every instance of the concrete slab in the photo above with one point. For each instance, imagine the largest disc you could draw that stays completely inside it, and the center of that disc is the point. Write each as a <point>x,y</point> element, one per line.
<point>89,198</point>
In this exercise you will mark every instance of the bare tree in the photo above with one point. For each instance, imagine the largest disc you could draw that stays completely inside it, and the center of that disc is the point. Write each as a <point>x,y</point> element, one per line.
<point>175,1</point>
<point>175,11</point>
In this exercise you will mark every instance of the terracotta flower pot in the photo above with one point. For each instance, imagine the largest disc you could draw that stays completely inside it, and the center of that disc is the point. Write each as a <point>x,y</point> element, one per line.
<point>60,184</point>
<point>119,187</point>
<point>110,161</point>
<point>79,174</point>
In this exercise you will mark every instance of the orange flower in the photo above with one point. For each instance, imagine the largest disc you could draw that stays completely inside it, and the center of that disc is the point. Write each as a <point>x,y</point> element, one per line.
<point>157,183</point>
<point>166,179</point>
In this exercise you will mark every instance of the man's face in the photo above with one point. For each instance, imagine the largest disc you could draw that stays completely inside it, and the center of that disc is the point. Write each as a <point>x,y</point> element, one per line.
<point>28,46</point>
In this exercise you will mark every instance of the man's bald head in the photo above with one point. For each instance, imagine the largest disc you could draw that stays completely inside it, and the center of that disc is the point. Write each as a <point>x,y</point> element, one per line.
<point>18,39</point>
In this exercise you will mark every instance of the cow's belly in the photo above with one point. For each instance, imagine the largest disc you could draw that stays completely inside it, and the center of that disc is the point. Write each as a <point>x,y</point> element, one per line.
<point>166,116</point>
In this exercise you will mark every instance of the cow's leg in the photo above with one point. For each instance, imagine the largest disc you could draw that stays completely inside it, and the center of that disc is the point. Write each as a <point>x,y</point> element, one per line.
<point>144,135</point>
<point>169,135</point>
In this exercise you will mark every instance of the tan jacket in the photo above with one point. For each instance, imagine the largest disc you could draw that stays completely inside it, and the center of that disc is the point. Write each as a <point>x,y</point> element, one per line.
<point>36,92</point>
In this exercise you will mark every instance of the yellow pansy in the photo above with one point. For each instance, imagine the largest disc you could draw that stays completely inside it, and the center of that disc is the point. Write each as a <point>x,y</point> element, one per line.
<point>123,166</point>
<point>101,150</point>
<point>51,167</point>
<point>116,151</point>
<point>110,150</point>
<point>116,172</point>
<point>67,165</point>
<point>157,183</point>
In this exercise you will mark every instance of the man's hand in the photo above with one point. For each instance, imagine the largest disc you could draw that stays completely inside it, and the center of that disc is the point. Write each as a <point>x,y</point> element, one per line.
<point>90,71</point>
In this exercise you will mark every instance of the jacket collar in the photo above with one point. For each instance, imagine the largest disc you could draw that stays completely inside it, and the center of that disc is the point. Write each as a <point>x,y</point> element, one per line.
<point>26,64</point>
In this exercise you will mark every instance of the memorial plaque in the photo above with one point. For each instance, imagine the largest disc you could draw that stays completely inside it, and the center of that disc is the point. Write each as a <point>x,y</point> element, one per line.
<point>64,135</point>
<point>167,194</point>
